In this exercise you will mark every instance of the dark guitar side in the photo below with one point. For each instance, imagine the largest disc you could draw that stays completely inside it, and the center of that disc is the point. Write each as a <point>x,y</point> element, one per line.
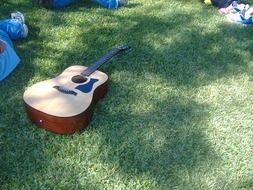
<point>66,125</point>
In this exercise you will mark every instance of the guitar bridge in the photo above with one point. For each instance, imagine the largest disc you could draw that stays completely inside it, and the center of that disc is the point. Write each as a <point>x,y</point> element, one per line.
<point>65,90</point>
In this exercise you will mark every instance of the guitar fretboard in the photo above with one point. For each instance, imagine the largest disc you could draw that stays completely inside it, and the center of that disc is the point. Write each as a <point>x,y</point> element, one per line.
<point>102,60</point>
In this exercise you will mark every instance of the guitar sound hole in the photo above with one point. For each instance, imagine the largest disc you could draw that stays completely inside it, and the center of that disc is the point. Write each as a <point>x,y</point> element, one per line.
<point>79,79</point>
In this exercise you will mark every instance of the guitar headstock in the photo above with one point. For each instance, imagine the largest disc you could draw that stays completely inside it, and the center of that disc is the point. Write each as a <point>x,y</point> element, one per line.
<point>123,47</point>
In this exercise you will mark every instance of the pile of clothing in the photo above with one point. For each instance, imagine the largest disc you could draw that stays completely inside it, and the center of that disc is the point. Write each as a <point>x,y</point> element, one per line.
<point>236,11</point>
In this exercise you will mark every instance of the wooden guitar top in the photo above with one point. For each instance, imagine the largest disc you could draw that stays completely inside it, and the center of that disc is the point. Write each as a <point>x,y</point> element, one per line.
<point>61,96</point>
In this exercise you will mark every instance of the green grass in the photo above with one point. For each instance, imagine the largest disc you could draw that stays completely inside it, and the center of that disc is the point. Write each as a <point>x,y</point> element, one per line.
<point>178,113</point>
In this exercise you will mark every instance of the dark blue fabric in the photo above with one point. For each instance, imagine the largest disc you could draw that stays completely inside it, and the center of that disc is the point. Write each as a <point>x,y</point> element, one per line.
<point>61,3</point>
<point>225,3</point>
<point>109,4</point>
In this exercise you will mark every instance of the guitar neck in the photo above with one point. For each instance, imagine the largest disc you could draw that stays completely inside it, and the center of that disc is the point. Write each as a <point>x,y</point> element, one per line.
<point>101,61</point>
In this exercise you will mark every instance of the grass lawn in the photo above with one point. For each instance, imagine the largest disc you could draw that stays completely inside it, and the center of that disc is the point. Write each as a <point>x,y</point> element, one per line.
<point>178,113</point>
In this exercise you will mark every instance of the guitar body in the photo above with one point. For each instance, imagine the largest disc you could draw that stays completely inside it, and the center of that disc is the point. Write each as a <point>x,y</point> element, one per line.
<point>63,106</point>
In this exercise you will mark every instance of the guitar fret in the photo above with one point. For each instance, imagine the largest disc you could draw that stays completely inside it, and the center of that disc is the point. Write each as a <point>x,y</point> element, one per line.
<point>104,59</point>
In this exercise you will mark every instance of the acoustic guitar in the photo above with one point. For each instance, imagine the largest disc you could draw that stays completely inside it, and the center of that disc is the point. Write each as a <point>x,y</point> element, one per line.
<point>65,104</point>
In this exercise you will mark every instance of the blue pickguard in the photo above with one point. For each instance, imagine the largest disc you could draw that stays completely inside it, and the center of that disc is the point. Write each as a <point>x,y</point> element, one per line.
<point>86,88</point>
